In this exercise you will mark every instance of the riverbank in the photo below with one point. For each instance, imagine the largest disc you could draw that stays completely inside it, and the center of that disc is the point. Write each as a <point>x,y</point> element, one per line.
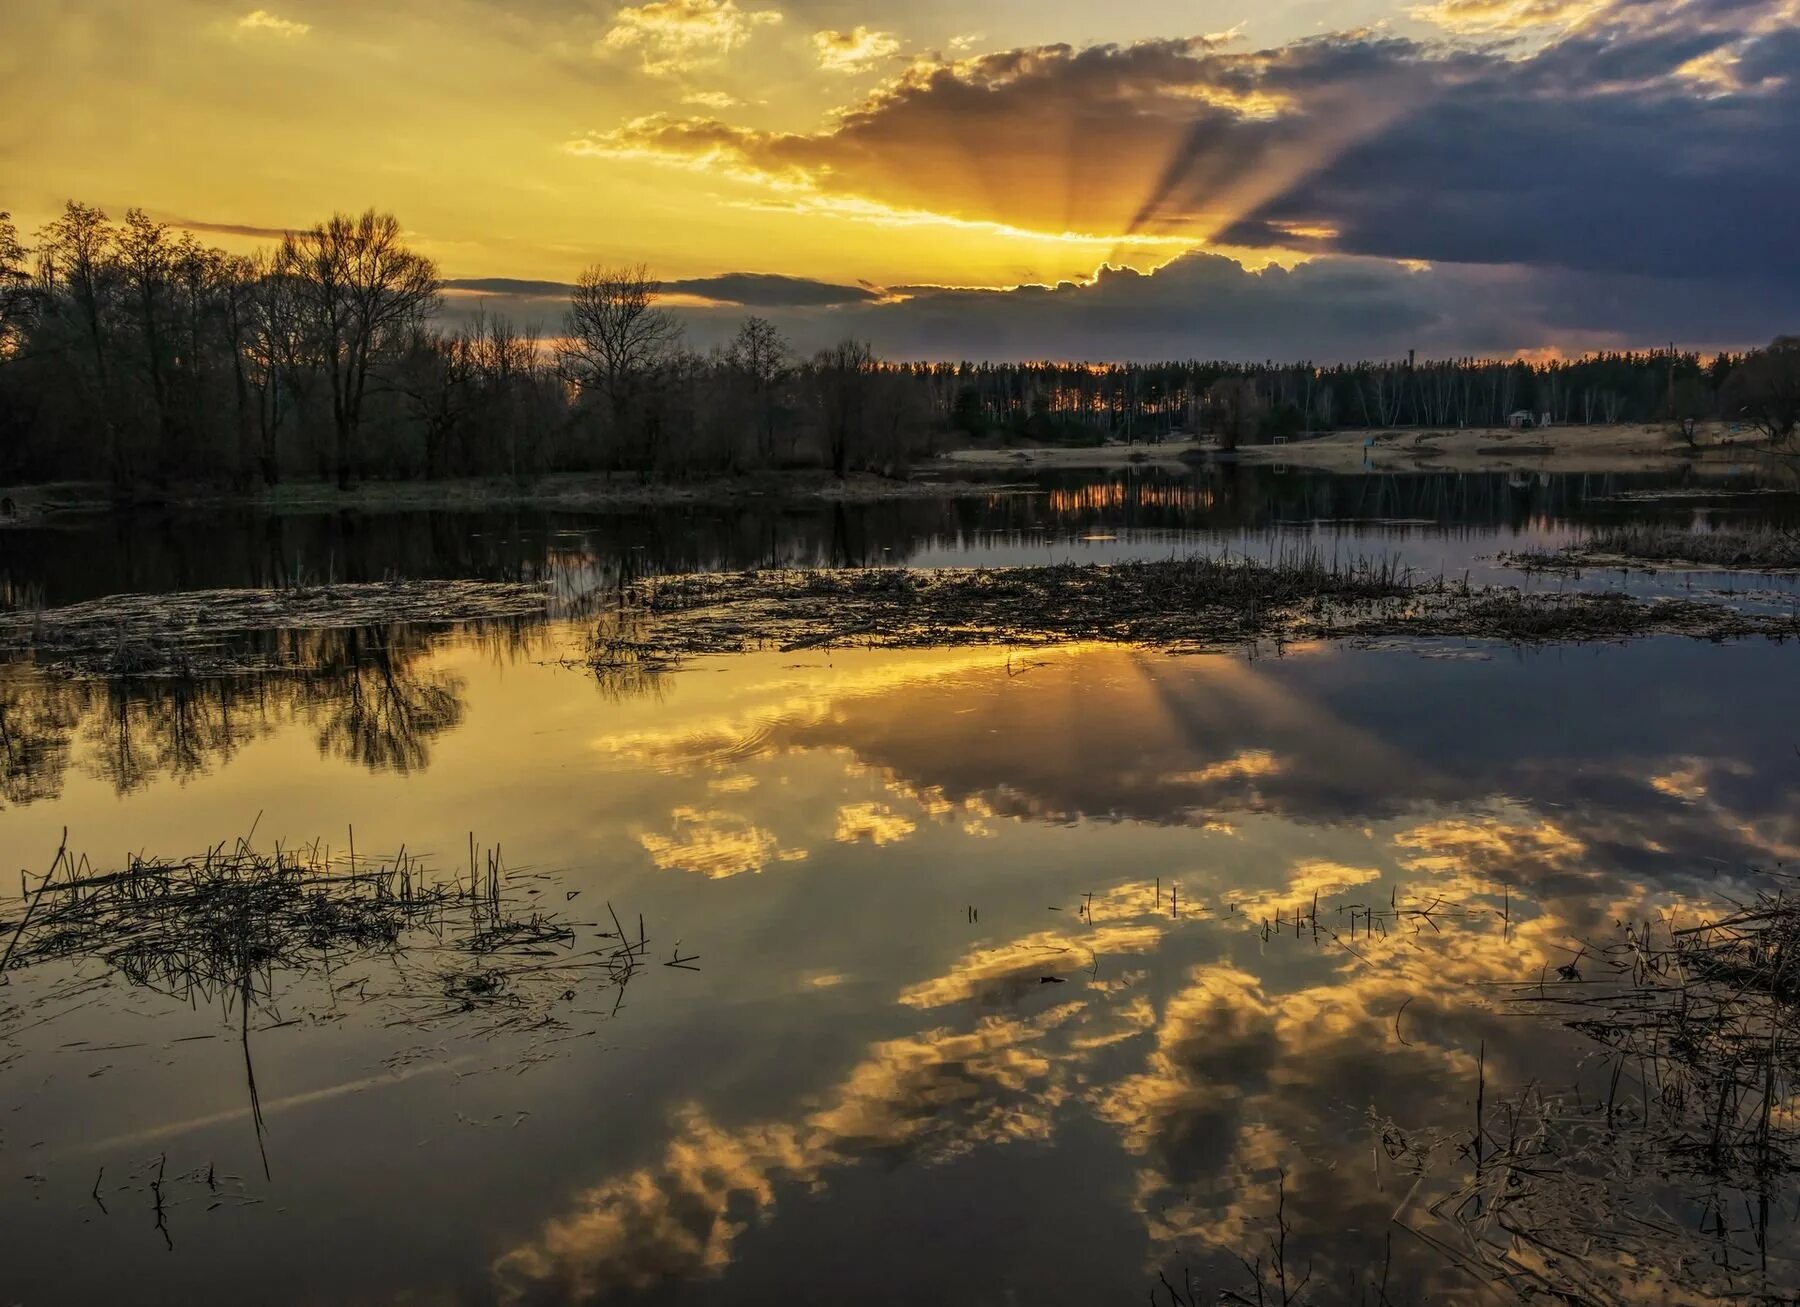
<point>1667,549</point>
<point>566,490</point>
<point>1173,453</point>
<point>1623,448</point>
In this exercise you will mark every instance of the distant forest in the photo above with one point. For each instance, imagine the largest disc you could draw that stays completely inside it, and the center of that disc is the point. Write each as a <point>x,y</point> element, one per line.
<point>132,353</point>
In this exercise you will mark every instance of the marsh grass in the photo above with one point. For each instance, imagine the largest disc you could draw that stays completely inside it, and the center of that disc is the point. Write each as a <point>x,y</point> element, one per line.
<point>201,928</point>
<point>203,632</point>
<point>245,930</point>
<point>1196,603</point>
<point>1763,549</point>
<point>1668,1181</point>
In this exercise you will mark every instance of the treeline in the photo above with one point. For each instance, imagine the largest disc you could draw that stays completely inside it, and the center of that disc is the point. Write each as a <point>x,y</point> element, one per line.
<point>131,352</point>
<point>1251,402</point>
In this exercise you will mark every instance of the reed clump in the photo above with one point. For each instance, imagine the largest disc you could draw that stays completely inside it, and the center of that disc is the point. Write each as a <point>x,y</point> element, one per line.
<point>203,632</point>
<point>1667,1182</point>
<point>232,923</point>
<point>1196,603</point>
<point>1764,549</point>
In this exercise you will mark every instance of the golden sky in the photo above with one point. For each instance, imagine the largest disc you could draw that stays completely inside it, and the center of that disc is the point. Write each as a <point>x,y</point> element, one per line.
<point>518,140</point>
<point>1459,176</point>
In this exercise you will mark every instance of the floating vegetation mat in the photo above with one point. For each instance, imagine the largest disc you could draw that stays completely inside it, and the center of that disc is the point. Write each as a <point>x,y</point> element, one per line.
<point>200,631</point>
<point>1768,549</point>
<point>1197,603</point>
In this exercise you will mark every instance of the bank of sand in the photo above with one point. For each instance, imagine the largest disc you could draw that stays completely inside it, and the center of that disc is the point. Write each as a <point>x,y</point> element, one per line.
<point>1626,448</point>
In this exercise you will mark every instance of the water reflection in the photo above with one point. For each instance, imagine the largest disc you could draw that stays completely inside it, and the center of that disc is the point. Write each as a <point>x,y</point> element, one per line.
<point>369,696</point>
<point>1447,520</point>
<point>1001,959</point>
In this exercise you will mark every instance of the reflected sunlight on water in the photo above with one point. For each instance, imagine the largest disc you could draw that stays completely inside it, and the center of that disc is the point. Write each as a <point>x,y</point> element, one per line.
<point>998,952</point>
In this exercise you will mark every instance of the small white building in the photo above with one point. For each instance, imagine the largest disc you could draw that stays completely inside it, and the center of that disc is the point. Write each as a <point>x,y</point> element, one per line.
<point>1523,418</point>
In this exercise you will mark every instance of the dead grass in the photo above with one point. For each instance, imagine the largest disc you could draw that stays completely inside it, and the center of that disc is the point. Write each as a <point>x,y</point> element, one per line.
<point>1196,603</point>
<point>195,632</point>
<point>1667,1184</point>
<point>247,931</point>
<point>1766,549</point>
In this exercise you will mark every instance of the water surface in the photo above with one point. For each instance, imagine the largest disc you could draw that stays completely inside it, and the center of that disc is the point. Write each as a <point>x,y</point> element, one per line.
<point>999,994</point>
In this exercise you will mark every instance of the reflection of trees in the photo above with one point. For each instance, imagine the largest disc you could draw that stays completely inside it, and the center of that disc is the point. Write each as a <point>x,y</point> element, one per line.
<point>623,664</point>
<point>381,709</point>
<point>35,728</point>
<point>369,695</point>
<point>137,730</point>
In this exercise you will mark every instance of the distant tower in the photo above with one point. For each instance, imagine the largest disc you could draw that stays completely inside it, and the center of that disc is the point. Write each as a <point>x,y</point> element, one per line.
<point>1411,357</point>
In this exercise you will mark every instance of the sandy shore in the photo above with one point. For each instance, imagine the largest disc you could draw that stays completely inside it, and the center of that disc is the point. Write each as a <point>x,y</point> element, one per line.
<point>1557,449</point>
<point>1631,447</point>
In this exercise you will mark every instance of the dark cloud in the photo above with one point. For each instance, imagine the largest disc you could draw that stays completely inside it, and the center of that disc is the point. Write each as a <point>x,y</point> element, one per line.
<point>230,228</point>
<point>760,290</point>
<point>1597,154</point>
<point>1653,138</point>
<point>509,287</point>
<point>767,290</point>
<point>1332,309</point>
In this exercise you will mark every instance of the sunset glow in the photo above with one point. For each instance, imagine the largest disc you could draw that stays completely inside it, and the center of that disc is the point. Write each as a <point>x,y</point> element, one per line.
<point>860,146</point>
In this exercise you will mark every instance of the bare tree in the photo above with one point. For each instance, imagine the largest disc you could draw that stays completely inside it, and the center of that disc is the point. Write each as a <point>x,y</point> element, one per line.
<point>762,360</point>
<point>617,338</point>
<point>508,367</point>
<point>18,298</point>
<point>1765,389</point>
<point>438,378</point>
<point>360,293</point>
<point>147,255</point>
<point>1236,409</point>
<point>74,256</point>
<point>274,345</point>
<point>841,379</point>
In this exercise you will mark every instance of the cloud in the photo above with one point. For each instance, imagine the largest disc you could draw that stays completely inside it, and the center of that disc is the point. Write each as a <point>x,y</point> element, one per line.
<point>512,287</point>
<point>1046,139</point>
<point>1330,309</point>
<point>1626,142</point>
<point>715,100</point>
<point>1490,16</point>
<point>534,299</point>
<point>874,823</point>
<point>716,845</point>
<point>1199,306</point>
<point>856,51</point>
<point>260,22</point>
<point>230,228</point>
<point>676,36</point>
<point>769,290</point>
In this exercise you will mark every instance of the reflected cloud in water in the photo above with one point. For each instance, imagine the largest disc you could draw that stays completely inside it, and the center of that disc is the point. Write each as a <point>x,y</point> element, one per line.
<point>1000,930</point>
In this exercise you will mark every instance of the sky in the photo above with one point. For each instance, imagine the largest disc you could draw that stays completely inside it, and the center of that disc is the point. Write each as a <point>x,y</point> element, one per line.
<point>1015,179</point>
